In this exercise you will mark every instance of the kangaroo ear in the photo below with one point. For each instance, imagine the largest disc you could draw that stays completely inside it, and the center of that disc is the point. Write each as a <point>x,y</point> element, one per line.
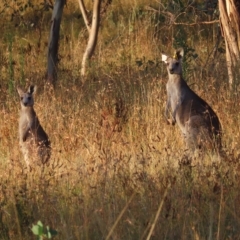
<point>164,57</point>
<point>20,91</point>
<point>32,89</point>
<point>179,54</point>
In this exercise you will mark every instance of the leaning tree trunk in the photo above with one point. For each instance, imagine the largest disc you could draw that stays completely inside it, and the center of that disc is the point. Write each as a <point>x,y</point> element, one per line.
<point>93,34</point>
<point>84,14</point>
<point>230,25</point>
<point>53,41</point>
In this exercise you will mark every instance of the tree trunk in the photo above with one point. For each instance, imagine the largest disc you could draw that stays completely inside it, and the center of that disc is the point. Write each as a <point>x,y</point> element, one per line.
<point>92,35</point>
<point>53,41</point>
<point>84,14</point>
<point>230,26</point>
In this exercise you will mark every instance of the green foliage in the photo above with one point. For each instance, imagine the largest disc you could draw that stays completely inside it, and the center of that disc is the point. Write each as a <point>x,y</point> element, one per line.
<point>190,54</point>
<point>43,232</point>
<point>19,7</point>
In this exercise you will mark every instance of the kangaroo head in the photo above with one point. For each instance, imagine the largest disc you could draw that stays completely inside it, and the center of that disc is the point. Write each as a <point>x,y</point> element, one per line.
<point>174,64</point>
<point>26,98</point>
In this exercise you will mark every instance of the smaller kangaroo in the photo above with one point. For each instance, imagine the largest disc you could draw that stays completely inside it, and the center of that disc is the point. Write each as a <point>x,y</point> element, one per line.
<point>34,141</point>
<point>199,124</point>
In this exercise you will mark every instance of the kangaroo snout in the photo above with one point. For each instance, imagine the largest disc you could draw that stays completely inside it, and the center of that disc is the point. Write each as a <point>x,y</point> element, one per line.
<point>25,103</point>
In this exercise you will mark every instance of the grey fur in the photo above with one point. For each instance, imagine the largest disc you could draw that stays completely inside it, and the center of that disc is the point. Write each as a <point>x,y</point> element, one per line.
<point>199,124</point>
<point>34,141</point>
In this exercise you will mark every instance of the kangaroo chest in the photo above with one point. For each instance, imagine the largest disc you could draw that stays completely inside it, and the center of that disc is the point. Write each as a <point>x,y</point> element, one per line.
<point>176,94</point>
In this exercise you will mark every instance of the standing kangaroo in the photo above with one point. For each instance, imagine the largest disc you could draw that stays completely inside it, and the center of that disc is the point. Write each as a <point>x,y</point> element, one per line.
<point>34,141</point>
<point>199,124</point>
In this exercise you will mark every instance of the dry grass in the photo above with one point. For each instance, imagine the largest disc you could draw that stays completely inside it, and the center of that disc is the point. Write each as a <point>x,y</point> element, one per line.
<point>113,153</point>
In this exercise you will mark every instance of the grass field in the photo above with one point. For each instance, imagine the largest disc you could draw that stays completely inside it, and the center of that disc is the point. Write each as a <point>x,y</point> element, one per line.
<point>117,170</point>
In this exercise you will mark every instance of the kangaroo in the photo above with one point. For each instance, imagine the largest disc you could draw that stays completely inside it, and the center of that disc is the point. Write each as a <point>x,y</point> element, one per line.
<point>34,141</point>
<point>199,124</point>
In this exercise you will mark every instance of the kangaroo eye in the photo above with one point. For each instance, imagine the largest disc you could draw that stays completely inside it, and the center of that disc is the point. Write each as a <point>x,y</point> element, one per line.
<point>29,98</point>
<point>177,63</point>
<point>21,98</point>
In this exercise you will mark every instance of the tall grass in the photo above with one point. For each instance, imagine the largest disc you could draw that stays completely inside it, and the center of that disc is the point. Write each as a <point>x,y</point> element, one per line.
<point>113,155</point>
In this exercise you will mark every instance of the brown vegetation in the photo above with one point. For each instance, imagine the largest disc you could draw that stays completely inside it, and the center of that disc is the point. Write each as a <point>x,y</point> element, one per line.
<point>113,156</point>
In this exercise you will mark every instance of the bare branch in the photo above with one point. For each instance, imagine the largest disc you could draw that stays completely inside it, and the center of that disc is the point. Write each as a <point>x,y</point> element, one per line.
<point>172,18</point>
<point>84,14</point>
<point>197,23</point>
